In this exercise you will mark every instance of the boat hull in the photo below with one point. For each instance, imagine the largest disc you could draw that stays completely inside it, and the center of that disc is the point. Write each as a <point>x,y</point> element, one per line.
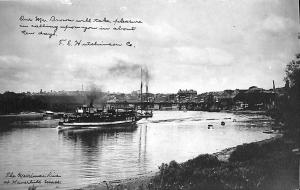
<point>96,125</point>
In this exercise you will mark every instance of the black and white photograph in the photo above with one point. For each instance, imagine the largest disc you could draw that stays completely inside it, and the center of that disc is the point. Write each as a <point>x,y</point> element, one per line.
<point>150,94</point>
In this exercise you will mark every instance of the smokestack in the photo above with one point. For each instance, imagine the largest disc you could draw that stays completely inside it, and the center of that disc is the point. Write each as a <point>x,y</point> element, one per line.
<point>147,76</point>
<point>146,88</point>
<point>141,86</point>
<point>299,17</point>
<point>147,93</point>
<point>82,93</point>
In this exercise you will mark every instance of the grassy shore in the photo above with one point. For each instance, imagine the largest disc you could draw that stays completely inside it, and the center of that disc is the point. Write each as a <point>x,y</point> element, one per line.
<point>264,165</point>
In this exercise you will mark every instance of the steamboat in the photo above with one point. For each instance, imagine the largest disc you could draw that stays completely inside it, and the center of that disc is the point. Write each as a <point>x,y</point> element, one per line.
<point>88,117</point>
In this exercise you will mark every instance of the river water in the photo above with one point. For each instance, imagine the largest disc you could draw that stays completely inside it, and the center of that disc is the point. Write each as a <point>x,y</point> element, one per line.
<point>72,160</point>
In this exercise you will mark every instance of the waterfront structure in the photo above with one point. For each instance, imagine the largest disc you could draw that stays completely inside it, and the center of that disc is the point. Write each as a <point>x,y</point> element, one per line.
<point>253,98</point>
<point>186,95</point>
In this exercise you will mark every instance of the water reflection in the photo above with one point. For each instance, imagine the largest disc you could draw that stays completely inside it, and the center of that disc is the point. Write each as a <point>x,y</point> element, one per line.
<point>91,138</point>
<point>95,146</point>
<point>142,153</point>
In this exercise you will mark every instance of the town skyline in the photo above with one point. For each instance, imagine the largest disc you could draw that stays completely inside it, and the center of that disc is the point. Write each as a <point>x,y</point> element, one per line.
<point>99,89</point>
<point>137,92</point>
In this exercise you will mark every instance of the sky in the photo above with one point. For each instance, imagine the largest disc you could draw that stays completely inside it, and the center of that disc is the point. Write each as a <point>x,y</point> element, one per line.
<point>205,45</point>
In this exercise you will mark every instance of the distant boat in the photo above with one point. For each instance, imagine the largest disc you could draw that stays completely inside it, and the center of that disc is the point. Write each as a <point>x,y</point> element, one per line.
<point>145,114</point>
<point>48,115</point>
<point>269,131</point>
<point>214,109</point>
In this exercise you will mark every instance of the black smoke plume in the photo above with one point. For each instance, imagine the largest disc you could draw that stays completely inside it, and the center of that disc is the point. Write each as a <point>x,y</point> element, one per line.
<point>94,95</point>
<point>128,70</point>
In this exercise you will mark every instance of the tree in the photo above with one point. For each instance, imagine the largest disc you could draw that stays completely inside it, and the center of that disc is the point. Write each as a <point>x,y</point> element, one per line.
<point>293,72</point>
<point>292,112</point>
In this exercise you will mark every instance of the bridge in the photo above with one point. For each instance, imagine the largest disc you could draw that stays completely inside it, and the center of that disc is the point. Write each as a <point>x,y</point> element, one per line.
<point>157,105</point>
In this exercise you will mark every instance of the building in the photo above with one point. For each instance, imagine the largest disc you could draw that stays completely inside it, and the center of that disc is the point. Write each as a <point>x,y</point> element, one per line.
<point>186,95</point>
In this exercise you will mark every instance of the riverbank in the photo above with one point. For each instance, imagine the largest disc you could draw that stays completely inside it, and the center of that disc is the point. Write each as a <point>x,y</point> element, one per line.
<point>251,112</point>
<point>268,164</point>
<point>29,120</point>
<point>21,117</point>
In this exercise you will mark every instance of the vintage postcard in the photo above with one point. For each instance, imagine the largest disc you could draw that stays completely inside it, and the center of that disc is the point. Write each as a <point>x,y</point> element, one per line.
<point>149,94</point>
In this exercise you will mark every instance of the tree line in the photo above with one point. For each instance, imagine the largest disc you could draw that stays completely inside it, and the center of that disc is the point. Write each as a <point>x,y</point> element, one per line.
<point>11,102</point>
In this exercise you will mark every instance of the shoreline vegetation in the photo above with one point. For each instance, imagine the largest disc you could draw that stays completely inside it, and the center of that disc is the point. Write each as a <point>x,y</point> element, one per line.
<point>269,164</point>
